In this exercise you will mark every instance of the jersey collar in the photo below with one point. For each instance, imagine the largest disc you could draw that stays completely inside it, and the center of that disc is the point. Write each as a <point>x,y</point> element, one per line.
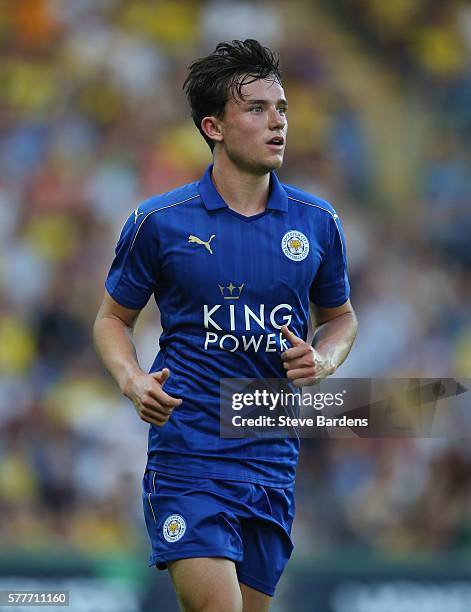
<point>277,199</point>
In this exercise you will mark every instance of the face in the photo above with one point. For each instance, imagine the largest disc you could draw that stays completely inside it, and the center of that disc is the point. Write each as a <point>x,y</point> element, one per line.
<point>253,129</point>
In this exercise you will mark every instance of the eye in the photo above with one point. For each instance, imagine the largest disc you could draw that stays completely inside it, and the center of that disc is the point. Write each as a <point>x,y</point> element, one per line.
<point>283,110</point>
<point>257,109</point>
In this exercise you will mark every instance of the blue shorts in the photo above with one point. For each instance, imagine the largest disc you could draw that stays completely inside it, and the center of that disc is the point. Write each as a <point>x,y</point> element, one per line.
<point>203,517</point>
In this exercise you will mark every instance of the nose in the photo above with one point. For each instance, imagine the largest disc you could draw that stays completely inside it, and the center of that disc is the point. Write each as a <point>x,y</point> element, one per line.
<point>277,120</point>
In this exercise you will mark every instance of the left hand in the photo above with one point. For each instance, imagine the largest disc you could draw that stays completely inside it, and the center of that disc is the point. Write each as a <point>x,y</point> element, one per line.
<point>303,364</point>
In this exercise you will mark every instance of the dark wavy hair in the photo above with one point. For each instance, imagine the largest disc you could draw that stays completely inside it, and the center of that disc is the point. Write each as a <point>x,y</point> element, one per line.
<point>224,72</point>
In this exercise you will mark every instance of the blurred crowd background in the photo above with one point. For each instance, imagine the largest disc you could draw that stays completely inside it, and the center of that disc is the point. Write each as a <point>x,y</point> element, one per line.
<point>93,120</point>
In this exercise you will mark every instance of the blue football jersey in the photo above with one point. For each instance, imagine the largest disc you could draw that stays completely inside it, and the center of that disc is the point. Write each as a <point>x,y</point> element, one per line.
<point>225,284</point>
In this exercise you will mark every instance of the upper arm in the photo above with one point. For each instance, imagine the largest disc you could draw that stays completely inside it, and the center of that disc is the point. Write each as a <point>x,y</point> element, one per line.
<point>321,314</point>
<point>133,274</point>
<point>110,308</point>
<point>330,287</point>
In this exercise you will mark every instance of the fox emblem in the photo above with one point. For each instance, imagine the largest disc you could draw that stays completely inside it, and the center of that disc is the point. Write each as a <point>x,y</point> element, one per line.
<point>206,244</point>
<point>295,244</point>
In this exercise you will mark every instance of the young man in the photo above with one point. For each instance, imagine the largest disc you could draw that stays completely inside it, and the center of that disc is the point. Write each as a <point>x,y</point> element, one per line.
<point>233,261</point>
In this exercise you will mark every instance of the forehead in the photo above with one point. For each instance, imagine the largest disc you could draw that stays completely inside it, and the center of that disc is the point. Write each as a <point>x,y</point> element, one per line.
<point>261,89</point>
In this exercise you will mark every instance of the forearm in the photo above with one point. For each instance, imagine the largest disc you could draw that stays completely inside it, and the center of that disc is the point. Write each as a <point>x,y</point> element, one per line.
<point>333,339</point>
<point>115,347</point>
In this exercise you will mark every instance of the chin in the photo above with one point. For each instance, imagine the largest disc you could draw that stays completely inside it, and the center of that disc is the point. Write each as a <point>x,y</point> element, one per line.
<point>267,167</point>
<point>260,166</point>
<point>275,163</point>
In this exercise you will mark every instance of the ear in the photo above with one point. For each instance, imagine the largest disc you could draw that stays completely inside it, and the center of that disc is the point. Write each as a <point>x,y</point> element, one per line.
<point>211,126</point>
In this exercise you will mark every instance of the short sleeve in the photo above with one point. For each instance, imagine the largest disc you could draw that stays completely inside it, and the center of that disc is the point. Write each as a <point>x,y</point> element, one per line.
<point>331,287</point>
<point>132,278</point>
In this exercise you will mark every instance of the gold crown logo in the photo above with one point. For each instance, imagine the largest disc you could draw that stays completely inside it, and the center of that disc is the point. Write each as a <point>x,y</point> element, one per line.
<point>231,292</point>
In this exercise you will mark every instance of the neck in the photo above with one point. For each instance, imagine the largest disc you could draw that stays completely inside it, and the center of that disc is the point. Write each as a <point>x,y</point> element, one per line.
<point>243,191</point>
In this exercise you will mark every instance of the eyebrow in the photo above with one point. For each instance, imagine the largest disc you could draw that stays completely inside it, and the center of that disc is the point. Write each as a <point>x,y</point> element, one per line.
<point>281,101</point>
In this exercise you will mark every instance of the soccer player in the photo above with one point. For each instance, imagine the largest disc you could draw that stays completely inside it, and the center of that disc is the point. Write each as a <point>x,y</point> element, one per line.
<point>233,261</point>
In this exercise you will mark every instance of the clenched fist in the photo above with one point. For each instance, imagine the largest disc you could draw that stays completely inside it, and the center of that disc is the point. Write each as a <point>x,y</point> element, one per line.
<point>303,364</point>
<point>151,402</point>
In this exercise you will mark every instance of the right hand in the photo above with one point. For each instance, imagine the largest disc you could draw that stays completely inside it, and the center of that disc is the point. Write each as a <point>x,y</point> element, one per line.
<point>151,402</point>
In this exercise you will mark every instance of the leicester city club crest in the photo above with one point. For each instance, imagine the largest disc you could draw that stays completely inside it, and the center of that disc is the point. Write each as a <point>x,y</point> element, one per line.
<point>174,527</point>
<point>295,245</point>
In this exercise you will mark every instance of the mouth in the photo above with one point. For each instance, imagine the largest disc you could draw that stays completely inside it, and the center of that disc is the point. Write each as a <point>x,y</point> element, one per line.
<point>277,143</point>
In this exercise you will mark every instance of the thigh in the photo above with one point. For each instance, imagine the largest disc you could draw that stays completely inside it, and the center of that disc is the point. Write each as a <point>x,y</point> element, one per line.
<point>186,519</point>
<point>206,585</point>
<point>267,549</point>
<point>253,600</point>
<point>266,539</point>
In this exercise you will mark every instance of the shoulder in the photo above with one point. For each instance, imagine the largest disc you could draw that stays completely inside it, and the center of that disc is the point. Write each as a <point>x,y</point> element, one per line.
<point>299,197</point>
<point>166,201</point>
<point>144,221</point>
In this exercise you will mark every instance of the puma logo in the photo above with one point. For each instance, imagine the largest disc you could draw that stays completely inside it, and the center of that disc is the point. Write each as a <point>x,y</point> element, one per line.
<point>202,242</point>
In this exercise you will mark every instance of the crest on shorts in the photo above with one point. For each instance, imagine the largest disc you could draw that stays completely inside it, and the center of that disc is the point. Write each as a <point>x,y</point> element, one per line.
<point>295,245</point>
<point>174,527</point>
